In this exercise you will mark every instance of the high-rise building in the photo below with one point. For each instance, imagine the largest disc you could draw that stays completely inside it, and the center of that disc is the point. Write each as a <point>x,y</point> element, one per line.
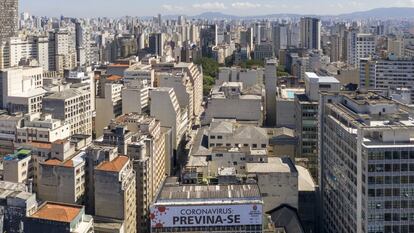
<point>156,44</point>
<point>359,46</point>
<point>280,34</point>
<point>208,39</point>
<point>270,80</point>
<point>310,33</point>
<point>9,16</point>
<point>115,184</point>
<point>366,153</point>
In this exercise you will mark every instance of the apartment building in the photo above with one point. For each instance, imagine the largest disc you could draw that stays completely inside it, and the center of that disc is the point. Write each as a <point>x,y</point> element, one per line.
<point>115,183</point>
<point>62,177</point>
<point>18,167</point>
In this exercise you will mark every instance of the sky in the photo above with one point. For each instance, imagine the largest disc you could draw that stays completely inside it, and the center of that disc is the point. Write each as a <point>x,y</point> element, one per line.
<point>118,8</point>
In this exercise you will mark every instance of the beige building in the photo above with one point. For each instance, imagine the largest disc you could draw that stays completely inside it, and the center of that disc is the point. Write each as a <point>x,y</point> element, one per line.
<point>18,167</point>
<point>115,184</point>
<point>277,180</point>
<point>62,178</point>
<point>150,160</point>
<point>108,106</point>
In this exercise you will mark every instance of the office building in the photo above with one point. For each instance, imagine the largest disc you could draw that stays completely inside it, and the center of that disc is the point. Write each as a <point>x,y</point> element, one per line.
<point>306,118</point>
<point>165,108</point>
<point>310,33</point>
<point>156,44</point>
<point>71,106</point>
<point>387,74</point>
<point>359,46</point>
<point>366,154</point>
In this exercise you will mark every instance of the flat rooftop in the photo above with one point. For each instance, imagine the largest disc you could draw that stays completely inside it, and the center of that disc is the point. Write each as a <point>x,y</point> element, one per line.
<point>176,194</point>
<point>57,212</point>
<point>274,165</point>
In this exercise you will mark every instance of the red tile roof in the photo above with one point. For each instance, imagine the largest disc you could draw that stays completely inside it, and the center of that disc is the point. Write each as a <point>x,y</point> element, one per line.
<point>115,165</point>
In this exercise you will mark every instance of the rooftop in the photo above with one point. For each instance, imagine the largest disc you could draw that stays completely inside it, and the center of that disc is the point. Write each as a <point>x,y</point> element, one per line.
<point>19,155</point>
<point>274,165</point>
<point>57,212</point>
<point>115,165</point>
<point>176,194</point>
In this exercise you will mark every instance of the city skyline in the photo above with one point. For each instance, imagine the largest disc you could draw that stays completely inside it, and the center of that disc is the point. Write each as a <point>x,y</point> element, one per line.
<point>191,7</point>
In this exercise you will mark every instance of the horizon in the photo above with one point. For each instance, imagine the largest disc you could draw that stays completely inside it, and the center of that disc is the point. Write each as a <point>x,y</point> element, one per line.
<point>192,8</point>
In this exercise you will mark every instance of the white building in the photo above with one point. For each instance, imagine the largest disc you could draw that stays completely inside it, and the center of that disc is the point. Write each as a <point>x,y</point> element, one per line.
<point>387,74</point>
<point>42,128</point>
<point>22,89</point>
<point>72,107</point>
<point>359,46</point>
<point>229,101</point>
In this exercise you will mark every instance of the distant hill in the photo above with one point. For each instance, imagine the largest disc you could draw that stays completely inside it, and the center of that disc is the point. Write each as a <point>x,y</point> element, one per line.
<point>382,13</point>
<point>378,13</point>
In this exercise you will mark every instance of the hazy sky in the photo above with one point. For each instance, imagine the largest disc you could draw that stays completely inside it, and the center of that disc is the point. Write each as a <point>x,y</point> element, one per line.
<point>117,8</point>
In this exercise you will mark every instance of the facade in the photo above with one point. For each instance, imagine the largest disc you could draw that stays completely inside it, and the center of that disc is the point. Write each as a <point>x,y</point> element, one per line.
<point>306,112</point>
<point>52,217</point>
<point>368,138</point>
<point>387,74</point>
<point>108,106</point>
<point>22,89</point>
<point>359,46</point>
<point>166,108</point>
<point>277,180</point>
<point>270,81</point>
<point>115,183</point>
<point>18,167</point>
<point>9,17</point>
<point>310,31</point>
<point>216,208</point>
<point>231,101</point>
<point>62,179</point>
<point>73,107</point>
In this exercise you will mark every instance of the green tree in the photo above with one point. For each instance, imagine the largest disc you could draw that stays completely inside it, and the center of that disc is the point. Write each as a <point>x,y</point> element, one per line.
<point>210,66</point>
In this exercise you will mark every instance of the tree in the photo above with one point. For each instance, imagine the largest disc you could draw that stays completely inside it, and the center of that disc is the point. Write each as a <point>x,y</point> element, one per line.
<point>208,83</point>
<point>210,66</point>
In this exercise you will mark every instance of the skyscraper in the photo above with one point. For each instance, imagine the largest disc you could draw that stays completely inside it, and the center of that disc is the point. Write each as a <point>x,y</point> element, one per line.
<point>310,29</point>
<point>8,18</point>
<point>156,44</point>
